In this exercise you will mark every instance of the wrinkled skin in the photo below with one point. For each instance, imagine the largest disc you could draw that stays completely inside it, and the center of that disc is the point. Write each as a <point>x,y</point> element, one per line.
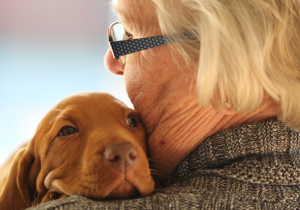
<point>161,86</point>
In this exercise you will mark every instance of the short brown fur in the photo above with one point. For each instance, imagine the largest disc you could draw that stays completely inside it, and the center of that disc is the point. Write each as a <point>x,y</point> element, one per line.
<point>74,164</point>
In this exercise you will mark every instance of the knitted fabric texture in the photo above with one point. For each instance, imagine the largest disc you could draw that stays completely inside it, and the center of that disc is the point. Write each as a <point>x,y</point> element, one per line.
<point>253,166</point>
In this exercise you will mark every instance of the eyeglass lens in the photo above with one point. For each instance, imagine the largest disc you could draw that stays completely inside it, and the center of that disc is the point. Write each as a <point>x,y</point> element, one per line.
<point>118,34</point>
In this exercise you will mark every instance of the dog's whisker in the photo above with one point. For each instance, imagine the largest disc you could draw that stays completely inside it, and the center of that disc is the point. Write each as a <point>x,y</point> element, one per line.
<point>152,157</point>
<point>153,171</point>
<point>157,175</point>
<point>81,189</point>
<point>155,165</point>
<point>158,168</point>
<point>54,109</point>
<point>157,183</point>
<point>51,121</point>
<point>154,160</point>
<point>70,189</point>
<point>86,191</point>
<point>74,181</point>
<point>80,185</point>
<point>97,190</point>
<point>54,118</point>
<point>92,189</point>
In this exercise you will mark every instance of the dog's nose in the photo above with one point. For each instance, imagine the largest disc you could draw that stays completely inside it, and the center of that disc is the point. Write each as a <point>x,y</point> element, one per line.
<point>122,155</point>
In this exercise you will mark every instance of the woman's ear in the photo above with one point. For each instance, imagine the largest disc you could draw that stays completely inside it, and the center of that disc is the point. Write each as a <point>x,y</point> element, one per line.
<point>228,110</point>
<point>223,107</point>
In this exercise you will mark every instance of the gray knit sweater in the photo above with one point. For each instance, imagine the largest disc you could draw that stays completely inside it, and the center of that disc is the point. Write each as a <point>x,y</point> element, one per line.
<point>253,166</point>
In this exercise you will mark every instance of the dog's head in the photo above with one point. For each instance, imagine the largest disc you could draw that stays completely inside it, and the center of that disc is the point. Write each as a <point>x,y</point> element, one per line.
<point>89,144</point>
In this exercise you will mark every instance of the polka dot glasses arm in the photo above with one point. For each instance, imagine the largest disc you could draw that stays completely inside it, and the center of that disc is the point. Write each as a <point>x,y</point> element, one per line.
<point>122,43</point>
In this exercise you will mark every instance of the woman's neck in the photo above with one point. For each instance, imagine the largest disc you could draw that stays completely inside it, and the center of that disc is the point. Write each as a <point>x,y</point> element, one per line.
<point>181,125</point>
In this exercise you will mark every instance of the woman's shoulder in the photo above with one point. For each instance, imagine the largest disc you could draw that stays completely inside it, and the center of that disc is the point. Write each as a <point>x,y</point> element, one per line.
<point>250,166</point>
<point>201,190</point>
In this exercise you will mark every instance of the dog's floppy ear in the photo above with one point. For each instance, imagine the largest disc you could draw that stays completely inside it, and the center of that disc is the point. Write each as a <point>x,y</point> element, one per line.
<point>30,166</point>
<point>16,191</point>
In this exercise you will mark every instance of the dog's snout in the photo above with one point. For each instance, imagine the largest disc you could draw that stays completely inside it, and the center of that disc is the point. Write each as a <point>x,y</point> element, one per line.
<point>122,155</point>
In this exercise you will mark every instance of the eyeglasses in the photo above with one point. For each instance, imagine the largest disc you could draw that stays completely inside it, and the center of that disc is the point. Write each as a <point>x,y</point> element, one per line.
<point>122,43</point>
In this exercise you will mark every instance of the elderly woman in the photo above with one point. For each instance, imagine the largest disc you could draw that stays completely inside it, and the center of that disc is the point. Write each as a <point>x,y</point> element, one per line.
<point>218,90</point>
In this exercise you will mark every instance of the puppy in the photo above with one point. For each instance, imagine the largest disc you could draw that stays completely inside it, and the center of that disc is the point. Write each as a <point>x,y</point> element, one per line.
<point>88,144</point>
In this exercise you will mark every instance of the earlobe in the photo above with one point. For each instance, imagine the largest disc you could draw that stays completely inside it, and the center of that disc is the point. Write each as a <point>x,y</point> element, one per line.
<point>225,107</point>
<point>228,111</point>
<point>224,110</point>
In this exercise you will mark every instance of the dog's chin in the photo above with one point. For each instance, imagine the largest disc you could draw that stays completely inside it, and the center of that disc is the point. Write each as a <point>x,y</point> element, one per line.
<point>117,187</point>
<point>123,190</point>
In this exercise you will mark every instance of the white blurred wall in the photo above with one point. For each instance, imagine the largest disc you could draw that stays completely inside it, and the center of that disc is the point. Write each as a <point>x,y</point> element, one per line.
<point>49,49</point>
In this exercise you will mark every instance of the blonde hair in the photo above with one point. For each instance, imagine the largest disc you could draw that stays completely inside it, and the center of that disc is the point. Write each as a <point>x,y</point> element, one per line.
<point>243,49</point>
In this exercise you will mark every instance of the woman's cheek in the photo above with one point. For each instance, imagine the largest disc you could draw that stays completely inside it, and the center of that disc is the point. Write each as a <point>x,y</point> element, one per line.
<point>132,79</point>
<point>147,72</point>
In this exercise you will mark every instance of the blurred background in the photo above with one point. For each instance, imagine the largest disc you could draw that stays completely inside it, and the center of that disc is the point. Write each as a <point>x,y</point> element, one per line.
<point>49,49</point>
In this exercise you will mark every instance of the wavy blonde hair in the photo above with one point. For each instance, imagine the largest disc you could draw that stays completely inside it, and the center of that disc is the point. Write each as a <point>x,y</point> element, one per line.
<point>243,49</point>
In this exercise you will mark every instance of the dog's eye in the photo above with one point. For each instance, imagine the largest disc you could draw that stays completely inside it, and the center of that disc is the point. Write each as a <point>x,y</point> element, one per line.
<point>132,121</point>
<point>53,196</point>
<point>67,131</point>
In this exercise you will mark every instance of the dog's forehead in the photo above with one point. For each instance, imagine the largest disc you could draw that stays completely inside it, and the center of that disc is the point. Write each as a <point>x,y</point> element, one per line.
<point>90,101</point>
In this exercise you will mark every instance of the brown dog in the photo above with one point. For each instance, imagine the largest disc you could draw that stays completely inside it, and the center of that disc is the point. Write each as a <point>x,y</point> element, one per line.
<point>89,144</point>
